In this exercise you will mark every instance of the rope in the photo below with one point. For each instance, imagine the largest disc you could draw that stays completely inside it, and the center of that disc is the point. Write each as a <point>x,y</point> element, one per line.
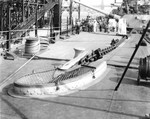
<point>10,76</point>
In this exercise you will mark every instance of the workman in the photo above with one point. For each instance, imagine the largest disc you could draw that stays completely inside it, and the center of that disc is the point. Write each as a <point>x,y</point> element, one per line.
<point>78,27</point>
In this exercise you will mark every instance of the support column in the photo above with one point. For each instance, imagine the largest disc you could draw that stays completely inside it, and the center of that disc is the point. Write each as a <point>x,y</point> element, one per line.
<point>8,27</point>
<point>70,16</point>
<point>79,11</point>
<point>23,15</point>
<point>36,19</point>
<point>137,7</point>
<point>1,17</point>
<point>57,16</point>
<point>27,10</point>
<point>43,22</point>
<point>51,15</point>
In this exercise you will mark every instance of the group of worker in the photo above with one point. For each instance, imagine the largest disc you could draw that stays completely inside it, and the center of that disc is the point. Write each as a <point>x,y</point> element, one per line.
<point>101,24</point>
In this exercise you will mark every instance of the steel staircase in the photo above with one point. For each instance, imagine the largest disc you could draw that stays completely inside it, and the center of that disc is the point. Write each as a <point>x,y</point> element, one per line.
<point>24,26</point>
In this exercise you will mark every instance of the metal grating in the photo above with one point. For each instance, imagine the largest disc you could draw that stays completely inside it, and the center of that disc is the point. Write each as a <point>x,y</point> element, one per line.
<point>71,74</point>
<point>46,77</point>
<point>36,78</point>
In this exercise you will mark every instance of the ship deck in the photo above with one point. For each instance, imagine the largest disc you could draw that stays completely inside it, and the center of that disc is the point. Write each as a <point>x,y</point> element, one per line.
<point>99,101</point>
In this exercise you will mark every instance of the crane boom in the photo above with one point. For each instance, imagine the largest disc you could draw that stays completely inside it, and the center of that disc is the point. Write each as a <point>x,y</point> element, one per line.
<point>100,11</point>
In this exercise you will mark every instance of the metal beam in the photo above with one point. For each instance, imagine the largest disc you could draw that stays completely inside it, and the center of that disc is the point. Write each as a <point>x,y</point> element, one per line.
<point>97,10</point>
<point>143,35</point>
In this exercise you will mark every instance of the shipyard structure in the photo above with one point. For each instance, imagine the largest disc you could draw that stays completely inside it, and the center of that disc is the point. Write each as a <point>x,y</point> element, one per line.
<point>65,59</point>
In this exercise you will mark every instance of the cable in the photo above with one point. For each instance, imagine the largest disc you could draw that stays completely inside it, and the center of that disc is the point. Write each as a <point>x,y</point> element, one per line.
<point>10,76</point>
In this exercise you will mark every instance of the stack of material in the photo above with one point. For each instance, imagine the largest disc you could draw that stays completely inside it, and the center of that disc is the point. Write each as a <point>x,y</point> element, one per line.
<point>32,45</point>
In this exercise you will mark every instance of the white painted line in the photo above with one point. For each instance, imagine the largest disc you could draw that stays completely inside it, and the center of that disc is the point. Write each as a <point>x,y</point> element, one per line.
<point>122,44</point>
